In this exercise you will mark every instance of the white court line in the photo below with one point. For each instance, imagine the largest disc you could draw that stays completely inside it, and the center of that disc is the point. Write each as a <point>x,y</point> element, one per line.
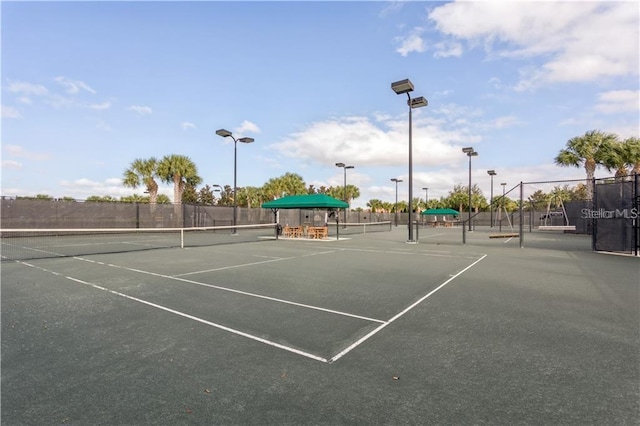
<point>222,268</point>
<point>231,290</point>
<point>398,315</point>
<point>194,318</point>
<point>252,337</point>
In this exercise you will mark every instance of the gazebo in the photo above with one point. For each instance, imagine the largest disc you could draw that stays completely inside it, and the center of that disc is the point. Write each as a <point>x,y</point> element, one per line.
<point>305,201</point>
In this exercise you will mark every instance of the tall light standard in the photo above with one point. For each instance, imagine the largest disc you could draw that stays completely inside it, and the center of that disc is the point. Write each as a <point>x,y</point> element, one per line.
<point>470,153</point>
<point>225,134</point>
<point>426,198</point>
<point>396,207</point>
<point>400,87</point>
<point>345,167</point>
<point>491,173</point>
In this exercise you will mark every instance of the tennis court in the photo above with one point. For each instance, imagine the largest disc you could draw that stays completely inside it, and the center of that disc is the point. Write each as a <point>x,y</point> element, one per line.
<point>365,329</point>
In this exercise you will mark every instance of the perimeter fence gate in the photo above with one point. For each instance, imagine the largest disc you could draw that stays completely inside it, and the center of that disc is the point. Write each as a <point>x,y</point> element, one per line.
<point>616,215</point>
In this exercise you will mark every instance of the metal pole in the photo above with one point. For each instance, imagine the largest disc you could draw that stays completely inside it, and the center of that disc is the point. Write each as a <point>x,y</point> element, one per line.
<point>491,204</point>
<point>235,186</point>
<point>469,191</point>
<point>345,194</point>
<point>396,207</point>
<point>410,174</point>
<point>521,228</point>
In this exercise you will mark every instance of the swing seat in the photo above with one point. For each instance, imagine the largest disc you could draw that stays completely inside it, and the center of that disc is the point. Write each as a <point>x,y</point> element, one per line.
<point>556,228</point>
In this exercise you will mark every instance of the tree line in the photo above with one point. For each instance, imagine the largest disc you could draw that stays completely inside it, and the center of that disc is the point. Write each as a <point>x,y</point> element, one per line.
<point>590,151</point>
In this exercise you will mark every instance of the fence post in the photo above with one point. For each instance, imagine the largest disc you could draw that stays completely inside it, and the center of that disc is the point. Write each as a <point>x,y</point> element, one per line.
<point>521,227</point>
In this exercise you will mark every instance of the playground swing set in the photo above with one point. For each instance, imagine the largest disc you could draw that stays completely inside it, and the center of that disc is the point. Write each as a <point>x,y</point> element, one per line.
<point>556,199</point>
<point>511,234</point>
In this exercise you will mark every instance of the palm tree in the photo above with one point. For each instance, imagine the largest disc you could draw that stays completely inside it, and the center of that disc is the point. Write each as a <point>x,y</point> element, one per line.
<point>287,184</point>
<point>180,170</point>
<point>375,205</point>
<point>143,172</point>
<point>589,151</point>
<point>632,151</point>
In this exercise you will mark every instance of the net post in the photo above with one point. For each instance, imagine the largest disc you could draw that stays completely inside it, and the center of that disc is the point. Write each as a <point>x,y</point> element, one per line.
<point>182,238</point>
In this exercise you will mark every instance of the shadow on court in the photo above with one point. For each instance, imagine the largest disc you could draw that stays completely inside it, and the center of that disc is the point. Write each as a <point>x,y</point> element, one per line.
<point>365,330</point>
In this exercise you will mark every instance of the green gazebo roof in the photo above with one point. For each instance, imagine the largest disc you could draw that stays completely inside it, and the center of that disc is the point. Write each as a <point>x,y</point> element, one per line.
<point>307,201</point>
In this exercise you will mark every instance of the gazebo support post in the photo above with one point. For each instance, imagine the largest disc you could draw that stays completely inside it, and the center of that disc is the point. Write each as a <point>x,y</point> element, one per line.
<point>275,220</point>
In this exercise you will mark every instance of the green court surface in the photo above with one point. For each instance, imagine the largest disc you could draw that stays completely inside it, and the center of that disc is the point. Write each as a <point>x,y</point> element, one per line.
<point>366,329</point>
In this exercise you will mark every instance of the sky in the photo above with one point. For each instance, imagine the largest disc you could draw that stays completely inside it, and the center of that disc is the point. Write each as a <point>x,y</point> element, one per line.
<point>88,87</point>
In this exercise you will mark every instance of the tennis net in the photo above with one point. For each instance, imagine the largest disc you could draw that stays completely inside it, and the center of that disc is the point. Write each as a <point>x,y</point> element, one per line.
<point>24,244</point>
<point>361,228</point>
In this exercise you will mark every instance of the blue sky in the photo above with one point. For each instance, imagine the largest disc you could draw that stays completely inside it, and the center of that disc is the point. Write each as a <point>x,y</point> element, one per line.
<point>87,87</point>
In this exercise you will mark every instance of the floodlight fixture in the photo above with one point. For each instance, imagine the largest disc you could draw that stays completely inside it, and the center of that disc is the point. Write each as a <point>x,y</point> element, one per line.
<point>491,172</point>
<point>402,86</point>
<point>246,140</point>
<point>467,150</point>
<point>418,102</point>
<point>224,133</point>
<point>340,164</point>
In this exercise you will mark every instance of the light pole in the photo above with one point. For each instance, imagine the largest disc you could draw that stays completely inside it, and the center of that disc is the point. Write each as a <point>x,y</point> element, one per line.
<point>426,198</point>
<point>225,134</point>
<point>400,87</point>
<point>345,167</point>
<point>396,207</point>
<point>470,153</point>
<point>491,173</point>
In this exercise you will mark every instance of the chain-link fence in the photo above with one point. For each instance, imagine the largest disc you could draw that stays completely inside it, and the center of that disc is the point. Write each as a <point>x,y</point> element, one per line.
<point>43,214</point>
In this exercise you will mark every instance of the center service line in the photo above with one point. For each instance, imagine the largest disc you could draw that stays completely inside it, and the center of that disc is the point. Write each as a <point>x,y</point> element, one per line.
<point>410,307</point>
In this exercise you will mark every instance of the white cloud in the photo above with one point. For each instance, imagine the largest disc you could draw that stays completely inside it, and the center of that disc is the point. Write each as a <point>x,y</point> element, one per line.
<point>24,100</point>
<point>391,7</point>
<point>618,101</point>
<point>82,188</point>
<point>103,126</point>
<point>140,109</point>
<point>367,144</point>
<point>11,164</point>
<point>505,121</point>
<point>413,42</point>
<point>74,86</point>
<point>27,88</point>
<point>577,41</point>
<point>19,152</point>
<point>103,105</point>
<point>186,125</point>
<point>10,112</point>
<point>247,127</point>
<point>446,49</point>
